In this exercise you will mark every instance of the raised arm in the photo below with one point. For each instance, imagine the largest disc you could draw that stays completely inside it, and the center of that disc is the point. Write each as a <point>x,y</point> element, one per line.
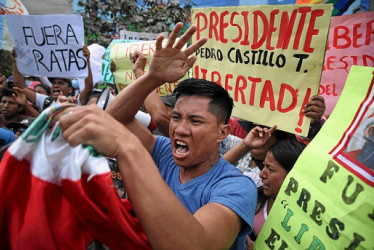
<point>256,138</point>
<point>153,103</point>
<point>315,109</point>
<point>167,65</point>
<point>19,81</point>
<point>21,99</point>
<point>167,223</point>
<point>88,82</point>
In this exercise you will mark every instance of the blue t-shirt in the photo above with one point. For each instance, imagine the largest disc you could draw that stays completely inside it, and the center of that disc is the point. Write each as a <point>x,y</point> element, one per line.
<point>223,184</point>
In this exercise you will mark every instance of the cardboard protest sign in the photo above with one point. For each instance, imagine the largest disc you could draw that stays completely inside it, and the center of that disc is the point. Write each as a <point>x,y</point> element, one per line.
<point>140,36</point>
<point>14,7</point>
<point>351,42</point>
<point>327,200</point>
<point>120,54</point>
<point>49,45</point>
<point>269,58</point>
<point>106,74</point>
<point>96,57</point>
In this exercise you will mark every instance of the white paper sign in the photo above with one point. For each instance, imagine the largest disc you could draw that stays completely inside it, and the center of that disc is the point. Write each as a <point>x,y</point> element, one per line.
<point>49,45</point>
<point>131,35</point>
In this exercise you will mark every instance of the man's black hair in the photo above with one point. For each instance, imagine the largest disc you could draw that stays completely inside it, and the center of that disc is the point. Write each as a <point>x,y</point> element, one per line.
<point>286,152</point>
<point>67,80</point>
<point>44,86</point>
<point>7,92</point>
<point>221,103</point>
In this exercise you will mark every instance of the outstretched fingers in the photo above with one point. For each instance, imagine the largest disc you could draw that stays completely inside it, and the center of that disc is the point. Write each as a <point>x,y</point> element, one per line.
<point>174,35</point>
<point>159,40</point>
<point>195,46</point>
<point>272,129</point>
<point>185,37</point>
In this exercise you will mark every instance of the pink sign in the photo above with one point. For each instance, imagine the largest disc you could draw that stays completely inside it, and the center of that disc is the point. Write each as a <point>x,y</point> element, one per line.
<point>350,42</point>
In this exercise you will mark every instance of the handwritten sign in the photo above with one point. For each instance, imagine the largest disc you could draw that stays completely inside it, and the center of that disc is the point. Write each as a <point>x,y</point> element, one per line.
<point>351,42</point>
<point>327,200</point>
<point>269,58</point>
<point>120,54</point>
<point>49,45</point>
<point>144,36</point>
<point>106,74</point>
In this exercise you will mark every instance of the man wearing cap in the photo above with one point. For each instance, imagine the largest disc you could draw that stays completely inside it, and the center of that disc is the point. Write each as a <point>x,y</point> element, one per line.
<point>19,127</point>
<point>61,87</point>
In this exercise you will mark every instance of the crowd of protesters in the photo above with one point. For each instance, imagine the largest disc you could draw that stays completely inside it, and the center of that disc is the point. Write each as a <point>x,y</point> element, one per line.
<point>191,169</point>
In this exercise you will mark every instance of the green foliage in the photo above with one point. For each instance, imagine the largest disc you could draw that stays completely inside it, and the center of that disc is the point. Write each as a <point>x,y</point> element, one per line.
<point>103,17</point>
<point>5,63</point>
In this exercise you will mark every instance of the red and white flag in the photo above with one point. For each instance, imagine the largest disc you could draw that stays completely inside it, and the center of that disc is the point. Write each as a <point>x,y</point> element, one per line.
<point>55,196</point>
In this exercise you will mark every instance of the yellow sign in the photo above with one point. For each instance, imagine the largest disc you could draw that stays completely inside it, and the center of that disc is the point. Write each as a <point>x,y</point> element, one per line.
<point>120,54</point>
<point>327,200</point>
<point>269,58</point>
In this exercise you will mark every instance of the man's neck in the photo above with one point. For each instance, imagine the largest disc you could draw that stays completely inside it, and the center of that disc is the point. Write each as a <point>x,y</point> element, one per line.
<point>188,173</point>
<point>13,118</point>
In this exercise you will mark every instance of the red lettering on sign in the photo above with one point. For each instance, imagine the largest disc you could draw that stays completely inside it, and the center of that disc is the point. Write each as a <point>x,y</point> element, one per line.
<point>286,28</point>
<point>240,88</point>
<point>244,88</point>
<point>267,95</point>
<point>311,31</point>
<point>246,28</point>
<point>262,27</point>
<point>303,11</point>
<point>282,91</point>
<point>223,25</point>
<point>257,43</point>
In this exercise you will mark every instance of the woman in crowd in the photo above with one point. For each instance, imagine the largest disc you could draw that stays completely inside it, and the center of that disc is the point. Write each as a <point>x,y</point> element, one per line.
<point>279,160</point>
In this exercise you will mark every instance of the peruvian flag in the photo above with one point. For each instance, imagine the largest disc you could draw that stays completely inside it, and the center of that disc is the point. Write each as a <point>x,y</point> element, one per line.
<point>54,196</point>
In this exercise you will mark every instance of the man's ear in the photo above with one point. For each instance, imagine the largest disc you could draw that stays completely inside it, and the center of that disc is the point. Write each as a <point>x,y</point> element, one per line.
<point>223,131</point>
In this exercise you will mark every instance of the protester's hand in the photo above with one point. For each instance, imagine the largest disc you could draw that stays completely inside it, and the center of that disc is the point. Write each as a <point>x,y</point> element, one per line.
<point>3,84</point>
<point>249,245</point>
<point>86,52</point>
<point>13,55</point>
<point>73,99</point>
<point>61,98</point>
<point>170,63</point>
<point>20,96</point>
<point>66,99</point>
<point>90,125</point>
<point>258,137</point>
<point>138,61</point>
<point>112,66</point>
<point>315,109</point>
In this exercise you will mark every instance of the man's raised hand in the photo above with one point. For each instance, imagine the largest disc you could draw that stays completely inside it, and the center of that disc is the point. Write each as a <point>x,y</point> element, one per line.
<point>170,63</point>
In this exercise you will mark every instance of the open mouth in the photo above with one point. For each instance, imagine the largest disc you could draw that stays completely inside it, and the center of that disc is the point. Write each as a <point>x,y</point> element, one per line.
<point>56,92</point>
<point>181,149</point>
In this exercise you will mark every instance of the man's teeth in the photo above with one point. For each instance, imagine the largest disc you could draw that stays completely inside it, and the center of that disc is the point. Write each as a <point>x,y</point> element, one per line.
<point>181,143</point>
